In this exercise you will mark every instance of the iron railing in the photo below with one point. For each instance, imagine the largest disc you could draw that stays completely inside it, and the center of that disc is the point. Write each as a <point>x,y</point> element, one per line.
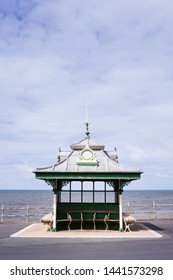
<point>152,211</point>
<point>22,214</point>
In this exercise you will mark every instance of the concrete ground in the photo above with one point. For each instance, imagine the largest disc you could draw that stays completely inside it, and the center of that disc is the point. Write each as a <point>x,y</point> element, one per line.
<point>39,230</point>
<point>148,240</point>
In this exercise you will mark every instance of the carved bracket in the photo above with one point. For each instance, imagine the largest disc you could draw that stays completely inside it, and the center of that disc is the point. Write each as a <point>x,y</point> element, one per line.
<point>56,184</point>
<point>118,187</point>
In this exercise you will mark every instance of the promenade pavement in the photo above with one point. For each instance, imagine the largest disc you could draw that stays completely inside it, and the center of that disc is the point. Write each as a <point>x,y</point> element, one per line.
<point>148,240</point>
<point>138,230</point>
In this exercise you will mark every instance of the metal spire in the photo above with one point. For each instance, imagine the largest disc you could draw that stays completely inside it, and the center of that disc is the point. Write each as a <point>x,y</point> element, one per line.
<point>87,130</point>
<point>87,123</point>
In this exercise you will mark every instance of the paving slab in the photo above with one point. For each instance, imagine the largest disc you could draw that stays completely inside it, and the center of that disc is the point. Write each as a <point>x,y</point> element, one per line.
<point>39,230</point>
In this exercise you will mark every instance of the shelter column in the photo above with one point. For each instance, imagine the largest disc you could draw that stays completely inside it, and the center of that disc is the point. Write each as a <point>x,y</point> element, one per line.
<point>120,207</point>
<point>54,207</point>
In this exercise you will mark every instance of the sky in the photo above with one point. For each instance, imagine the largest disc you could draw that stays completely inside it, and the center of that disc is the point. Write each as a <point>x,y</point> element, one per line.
<point>58,55</point>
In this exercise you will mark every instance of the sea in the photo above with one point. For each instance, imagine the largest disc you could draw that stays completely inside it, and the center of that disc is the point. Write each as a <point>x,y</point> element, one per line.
<point>31,205</point>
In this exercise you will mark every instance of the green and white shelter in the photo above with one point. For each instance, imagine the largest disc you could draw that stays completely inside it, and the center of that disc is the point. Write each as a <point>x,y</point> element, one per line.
<point>88,184</point>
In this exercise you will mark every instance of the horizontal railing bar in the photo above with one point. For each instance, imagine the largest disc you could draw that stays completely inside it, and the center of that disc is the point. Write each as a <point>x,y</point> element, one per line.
<point>149,205</point>
<point>152,212</point>
<point>24,208</point>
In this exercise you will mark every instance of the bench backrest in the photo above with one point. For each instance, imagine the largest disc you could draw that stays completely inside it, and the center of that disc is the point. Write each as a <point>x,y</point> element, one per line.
<point>87,206</point>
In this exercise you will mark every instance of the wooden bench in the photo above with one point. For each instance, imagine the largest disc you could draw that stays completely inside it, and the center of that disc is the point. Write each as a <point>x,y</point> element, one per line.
<point>47,220</point>
<point>89,216</point>
<point>110,218</point>
<point>77,216</point>
<point>66,219</point>
<point>83,216</point>
<point>128,220</point>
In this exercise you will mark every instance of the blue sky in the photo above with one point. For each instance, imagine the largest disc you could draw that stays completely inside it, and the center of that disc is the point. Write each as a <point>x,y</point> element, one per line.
<point>56,55</point>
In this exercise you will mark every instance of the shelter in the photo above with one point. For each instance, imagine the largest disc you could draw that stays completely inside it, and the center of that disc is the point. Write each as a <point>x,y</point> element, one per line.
<point>87,183</point>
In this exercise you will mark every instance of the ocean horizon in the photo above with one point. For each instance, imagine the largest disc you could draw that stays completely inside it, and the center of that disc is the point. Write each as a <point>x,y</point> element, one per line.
<point>40,202</point>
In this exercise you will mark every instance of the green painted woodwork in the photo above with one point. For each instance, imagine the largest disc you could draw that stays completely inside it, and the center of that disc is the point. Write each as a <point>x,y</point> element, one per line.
<point>87,176</point>
<point>88,210</point>
<point>87,206</point>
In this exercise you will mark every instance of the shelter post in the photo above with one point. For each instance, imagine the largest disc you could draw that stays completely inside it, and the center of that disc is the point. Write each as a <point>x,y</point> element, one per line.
<point>120,190</point>
<point>54,207</point>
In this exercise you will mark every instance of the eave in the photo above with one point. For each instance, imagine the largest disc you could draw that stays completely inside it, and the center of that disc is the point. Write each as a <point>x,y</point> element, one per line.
<point>88,175</point>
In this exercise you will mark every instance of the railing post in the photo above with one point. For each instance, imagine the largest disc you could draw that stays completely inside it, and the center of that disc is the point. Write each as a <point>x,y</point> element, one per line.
<point>129,208</point>
<point>154,209</point>
<point>2,214</point>
<point>27,213</point>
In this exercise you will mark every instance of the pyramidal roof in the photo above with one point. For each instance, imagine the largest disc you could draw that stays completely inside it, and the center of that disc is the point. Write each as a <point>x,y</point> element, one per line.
<point>87,156</point>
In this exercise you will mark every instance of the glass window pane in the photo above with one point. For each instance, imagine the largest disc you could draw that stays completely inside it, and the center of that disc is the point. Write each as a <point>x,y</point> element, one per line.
<point>99,197</point>
<point>75,196</point>
<point>99,186</point>
<point>66,188</point>
<point>76,185</point>
<point>109,188</point>
<point>88,186</point>
<point>110,197</point>
<point>65,196</point>
<point>88,197</point>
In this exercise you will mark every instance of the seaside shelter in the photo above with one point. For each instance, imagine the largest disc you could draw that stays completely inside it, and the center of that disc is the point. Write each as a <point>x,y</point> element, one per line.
<point>88,184</point>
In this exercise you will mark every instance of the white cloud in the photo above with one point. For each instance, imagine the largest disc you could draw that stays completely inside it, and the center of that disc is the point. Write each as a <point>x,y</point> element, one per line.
<point>114,55</point>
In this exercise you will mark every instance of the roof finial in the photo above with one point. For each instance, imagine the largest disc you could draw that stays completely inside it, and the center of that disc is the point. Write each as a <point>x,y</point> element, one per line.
<point>87,130</point>
<point>87,123</point>
<point>59,157</point>
<point>116,155</point>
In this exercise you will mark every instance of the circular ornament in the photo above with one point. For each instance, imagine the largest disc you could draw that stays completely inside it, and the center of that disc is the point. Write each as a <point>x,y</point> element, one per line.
<point>87,154</point>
